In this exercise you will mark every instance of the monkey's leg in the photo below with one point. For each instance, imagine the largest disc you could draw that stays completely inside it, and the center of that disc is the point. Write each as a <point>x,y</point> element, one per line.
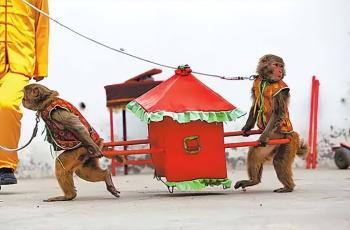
<point>65,165</point>
<point>256,158</point>
<point>91,171</point>
<point>282,163</point>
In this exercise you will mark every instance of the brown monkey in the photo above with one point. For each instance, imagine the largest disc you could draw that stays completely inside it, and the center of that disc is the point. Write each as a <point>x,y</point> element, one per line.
<point>68,130</point>
<point>270,111</point>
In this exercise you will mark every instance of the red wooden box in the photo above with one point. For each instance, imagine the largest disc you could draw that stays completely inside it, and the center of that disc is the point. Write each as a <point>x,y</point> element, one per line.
<point>193,150</point>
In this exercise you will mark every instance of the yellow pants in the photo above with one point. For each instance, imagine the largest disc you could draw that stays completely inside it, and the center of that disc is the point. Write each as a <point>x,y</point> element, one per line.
<point>11,94</point>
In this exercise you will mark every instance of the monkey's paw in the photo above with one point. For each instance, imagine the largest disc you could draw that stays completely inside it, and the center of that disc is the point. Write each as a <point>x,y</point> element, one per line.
<point>114,191</point>
<point>241,183</point>
<point>58,198</point>
<point>283,190</point>
<point>95,155</point>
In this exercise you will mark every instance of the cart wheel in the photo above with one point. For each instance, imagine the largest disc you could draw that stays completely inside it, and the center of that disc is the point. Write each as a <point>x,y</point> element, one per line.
<point>342,158</point>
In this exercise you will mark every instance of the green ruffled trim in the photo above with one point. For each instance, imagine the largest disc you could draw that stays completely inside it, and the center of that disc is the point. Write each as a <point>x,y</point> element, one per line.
<point>199,184</point>
<point>186,117</point>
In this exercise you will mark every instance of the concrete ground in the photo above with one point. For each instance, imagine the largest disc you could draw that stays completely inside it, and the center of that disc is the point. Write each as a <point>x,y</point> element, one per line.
<point>321,201</point>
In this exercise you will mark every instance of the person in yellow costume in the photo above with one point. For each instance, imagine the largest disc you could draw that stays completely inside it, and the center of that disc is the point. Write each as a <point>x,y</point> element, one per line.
<point>24,34</point>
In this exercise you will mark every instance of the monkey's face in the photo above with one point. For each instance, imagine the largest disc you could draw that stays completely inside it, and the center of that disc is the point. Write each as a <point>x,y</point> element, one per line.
<point>277,70</point>
<point>271,68</point>
<point>273,71</point>
<point>35,95</point>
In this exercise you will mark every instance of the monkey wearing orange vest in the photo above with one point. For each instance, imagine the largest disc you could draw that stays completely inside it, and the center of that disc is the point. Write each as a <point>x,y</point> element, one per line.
<point>69,131</point>
<point>270,112</point>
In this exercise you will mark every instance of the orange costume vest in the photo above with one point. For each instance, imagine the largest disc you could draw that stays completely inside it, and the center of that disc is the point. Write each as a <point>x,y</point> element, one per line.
<point>64,139</point>
<point>264,92</point>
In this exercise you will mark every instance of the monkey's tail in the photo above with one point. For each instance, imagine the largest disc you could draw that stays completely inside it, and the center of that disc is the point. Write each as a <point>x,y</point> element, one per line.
<point>303,149</point>
<point>120,159</point>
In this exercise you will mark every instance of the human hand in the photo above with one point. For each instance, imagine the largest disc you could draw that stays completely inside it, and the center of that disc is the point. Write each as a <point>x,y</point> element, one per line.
<point>38,78</point>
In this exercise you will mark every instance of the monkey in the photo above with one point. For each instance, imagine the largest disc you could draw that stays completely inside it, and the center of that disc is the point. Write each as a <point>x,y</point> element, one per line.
<point>269,110</point>
<point>69,131</point>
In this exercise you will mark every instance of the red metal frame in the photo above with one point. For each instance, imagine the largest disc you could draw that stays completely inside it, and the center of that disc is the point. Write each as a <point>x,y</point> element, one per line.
<point>124,143</point>
<point>251,143</point>
<point>256,143</point>
<point>124,139</point>
<point>312,156</point>
<point>111,125</point>
<point>110,152</point>
<point>240,133</point>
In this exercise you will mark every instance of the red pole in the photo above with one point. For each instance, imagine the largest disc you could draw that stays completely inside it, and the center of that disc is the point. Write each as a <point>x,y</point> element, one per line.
<point>112,153</point>
<point>113,163</point>
<point>124,139</point>
<point>310,154</point>
<point>111,124</point>
<point>255,143</point>
<point>317,84</point>
<point>240,133</point>
<point>123,143</point>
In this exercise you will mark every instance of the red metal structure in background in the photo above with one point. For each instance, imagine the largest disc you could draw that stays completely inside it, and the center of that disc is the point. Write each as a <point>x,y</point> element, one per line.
<point>117,96</point>
<point>311,157</point>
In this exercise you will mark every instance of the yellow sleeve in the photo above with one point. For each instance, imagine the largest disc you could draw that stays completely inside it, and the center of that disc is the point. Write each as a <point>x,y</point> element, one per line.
<point>41,39</point>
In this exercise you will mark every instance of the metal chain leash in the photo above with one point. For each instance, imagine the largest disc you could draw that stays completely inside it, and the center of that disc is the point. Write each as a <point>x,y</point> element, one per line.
<point>37,119</point>
<point>252,77</point>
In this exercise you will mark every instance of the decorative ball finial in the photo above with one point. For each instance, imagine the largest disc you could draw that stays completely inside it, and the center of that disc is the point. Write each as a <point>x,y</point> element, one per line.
<point>183,70</point>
